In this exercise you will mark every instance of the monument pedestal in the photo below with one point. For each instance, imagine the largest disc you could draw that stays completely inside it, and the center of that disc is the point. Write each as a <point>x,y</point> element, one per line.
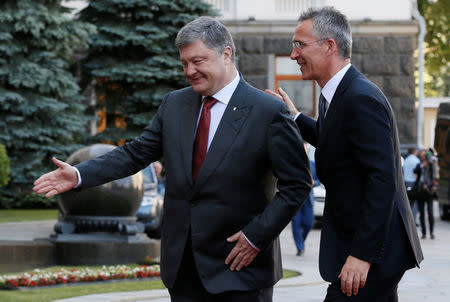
<point>104,248</point>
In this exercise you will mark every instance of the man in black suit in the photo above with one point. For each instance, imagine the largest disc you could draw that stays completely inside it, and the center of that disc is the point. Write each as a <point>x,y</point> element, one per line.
<point>368,238</point>
<point>220,139</point>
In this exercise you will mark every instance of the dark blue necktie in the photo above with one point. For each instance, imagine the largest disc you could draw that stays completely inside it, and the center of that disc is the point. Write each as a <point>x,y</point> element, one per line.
<point>322,109</point>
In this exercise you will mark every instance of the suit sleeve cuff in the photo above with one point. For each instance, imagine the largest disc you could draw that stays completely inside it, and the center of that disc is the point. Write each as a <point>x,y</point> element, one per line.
<point>251,243</point>
<point>296,116</point>
<point>79,179</point>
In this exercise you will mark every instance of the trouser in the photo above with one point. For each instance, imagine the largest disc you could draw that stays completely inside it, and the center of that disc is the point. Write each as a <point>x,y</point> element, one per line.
<point>374,291</point>
<point>189,288</point>
<point>302,223</point>
<point>429,203</point>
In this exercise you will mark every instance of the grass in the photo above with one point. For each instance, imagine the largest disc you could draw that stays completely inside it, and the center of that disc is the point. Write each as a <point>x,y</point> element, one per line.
<point>80,289</point>
<point>289,274</point>
<point>27,215</point>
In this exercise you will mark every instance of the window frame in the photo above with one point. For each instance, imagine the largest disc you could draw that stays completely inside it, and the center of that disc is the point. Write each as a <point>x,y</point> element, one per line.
<point>284,77</point>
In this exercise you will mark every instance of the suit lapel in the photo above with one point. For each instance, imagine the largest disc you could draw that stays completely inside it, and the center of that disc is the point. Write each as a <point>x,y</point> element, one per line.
<point>188,123</point>
<point>331,113</point>
<point>232,120</point>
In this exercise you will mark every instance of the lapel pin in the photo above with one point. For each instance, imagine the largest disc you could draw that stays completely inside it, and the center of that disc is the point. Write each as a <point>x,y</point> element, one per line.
<point>234,108</point>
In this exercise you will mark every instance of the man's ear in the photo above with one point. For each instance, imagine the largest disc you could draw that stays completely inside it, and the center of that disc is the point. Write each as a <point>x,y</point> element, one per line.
<point>228,54</point>
<point>332,47</point>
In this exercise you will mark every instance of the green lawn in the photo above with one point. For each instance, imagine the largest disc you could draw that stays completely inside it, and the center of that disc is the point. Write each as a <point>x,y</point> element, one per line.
<point>27,215</point>
<point>68,291</point>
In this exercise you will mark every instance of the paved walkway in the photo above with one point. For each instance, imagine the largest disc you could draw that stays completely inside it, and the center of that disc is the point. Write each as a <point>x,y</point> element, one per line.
<point>430,283</point>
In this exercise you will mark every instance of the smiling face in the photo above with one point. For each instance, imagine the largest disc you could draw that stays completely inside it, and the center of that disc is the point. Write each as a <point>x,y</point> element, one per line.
<point>206,71</point>
<point>313,57</point>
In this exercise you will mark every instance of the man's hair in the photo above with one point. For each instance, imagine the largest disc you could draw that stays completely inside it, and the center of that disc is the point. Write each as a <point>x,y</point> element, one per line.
<point>412,150</point>
<point>213,33</point>
<point>328,23</point>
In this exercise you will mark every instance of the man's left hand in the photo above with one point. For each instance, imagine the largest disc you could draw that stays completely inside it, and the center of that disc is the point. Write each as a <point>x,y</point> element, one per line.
<point>242,253</point>
<point>353,275</point>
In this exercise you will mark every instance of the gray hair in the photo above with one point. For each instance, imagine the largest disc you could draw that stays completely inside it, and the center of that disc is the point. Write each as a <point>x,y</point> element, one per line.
<point>213,33</point>
<point>327,22</point>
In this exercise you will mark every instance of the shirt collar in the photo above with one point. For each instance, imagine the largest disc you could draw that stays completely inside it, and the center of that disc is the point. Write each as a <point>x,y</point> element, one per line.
<point>224,95</point>
<point>330,87</point>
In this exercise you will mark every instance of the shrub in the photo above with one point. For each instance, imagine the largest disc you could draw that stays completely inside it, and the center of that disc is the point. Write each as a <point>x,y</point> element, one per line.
<point>4,166</point>
<point>26,200</point>
<point>31,200</point>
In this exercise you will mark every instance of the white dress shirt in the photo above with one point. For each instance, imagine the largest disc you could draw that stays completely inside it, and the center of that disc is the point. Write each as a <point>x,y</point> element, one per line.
<point>223,97</point>
<point>330,87</point>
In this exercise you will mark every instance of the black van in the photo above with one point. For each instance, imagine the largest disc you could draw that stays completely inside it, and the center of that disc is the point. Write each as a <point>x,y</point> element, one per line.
<point>442,146</point>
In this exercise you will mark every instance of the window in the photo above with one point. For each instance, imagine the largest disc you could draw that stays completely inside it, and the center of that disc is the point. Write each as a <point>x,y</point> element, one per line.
<point>302,92</point>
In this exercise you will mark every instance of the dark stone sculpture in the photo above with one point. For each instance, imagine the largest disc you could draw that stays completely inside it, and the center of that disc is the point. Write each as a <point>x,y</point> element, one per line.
<point>109,207</point>
<point>98,225</point>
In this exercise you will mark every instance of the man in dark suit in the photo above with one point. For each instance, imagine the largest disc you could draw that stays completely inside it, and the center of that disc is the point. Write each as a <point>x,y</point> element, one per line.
<point>220,139</point>
<point>368,238</point>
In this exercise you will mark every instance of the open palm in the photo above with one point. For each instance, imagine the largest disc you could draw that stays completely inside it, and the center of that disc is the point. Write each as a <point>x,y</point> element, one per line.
<point>58,181</point>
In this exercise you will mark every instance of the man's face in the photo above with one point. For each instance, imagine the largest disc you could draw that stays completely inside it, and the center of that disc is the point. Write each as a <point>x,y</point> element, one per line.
<point>312,57</point>
<point>422,155</point>
<point>204,69</point>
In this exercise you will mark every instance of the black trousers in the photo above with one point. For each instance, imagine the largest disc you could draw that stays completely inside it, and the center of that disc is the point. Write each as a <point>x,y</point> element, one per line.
<point>374,291</point>
<point>429,203</point>
<point>189,288</point>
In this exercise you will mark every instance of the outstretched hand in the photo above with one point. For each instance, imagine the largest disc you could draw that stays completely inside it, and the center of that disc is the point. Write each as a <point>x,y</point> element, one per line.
<point>58,181</point>
<point>242,254</point>
<point>285,98</point>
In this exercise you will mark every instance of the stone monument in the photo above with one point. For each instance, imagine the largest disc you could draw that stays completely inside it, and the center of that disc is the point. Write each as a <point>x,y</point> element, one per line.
<point>98,225</point>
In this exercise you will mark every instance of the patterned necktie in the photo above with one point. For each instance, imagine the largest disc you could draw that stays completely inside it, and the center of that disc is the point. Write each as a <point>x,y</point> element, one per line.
<point>201,139</point>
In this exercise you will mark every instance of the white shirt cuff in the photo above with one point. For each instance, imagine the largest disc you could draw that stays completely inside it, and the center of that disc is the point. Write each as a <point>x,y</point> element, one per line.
<point>79,179</point>
<point>251,243</point>
<point>296,116</point>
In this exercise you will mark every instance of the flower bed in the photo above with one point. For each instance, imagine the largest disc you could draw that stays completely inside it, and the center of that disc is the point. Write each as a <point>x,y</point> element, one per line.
<point>62,276</point>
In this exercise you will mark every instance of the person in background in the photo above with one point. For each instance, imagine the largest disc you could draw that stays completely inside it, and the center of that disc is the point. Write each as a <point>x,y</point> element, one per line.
<point>303,221</point>
<point>410,177</point>
<point>158,170</point>
<point>432,159</point>
<point>424,192</point>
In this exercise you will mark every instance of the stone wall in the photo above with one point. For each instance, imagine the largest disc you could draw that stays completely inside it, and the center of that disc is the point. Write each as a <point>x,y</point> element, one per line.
<point>386,59</point>
<point>389,62</point>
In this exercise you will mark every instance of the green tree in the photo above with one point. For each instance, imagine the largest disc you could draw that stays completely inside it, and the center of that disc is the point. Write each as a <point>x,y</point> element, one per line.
<point>41,111</point>
<point>133,60</point>
<point>437,53</point>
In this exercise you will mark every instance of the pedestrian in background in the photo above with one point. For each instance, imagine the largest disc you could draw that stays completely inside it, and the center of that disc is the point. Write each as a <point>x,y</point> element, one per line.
<point>303,221</point>
<point>425,190</point>
<point>161,182</point>
<point>410,177</point>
